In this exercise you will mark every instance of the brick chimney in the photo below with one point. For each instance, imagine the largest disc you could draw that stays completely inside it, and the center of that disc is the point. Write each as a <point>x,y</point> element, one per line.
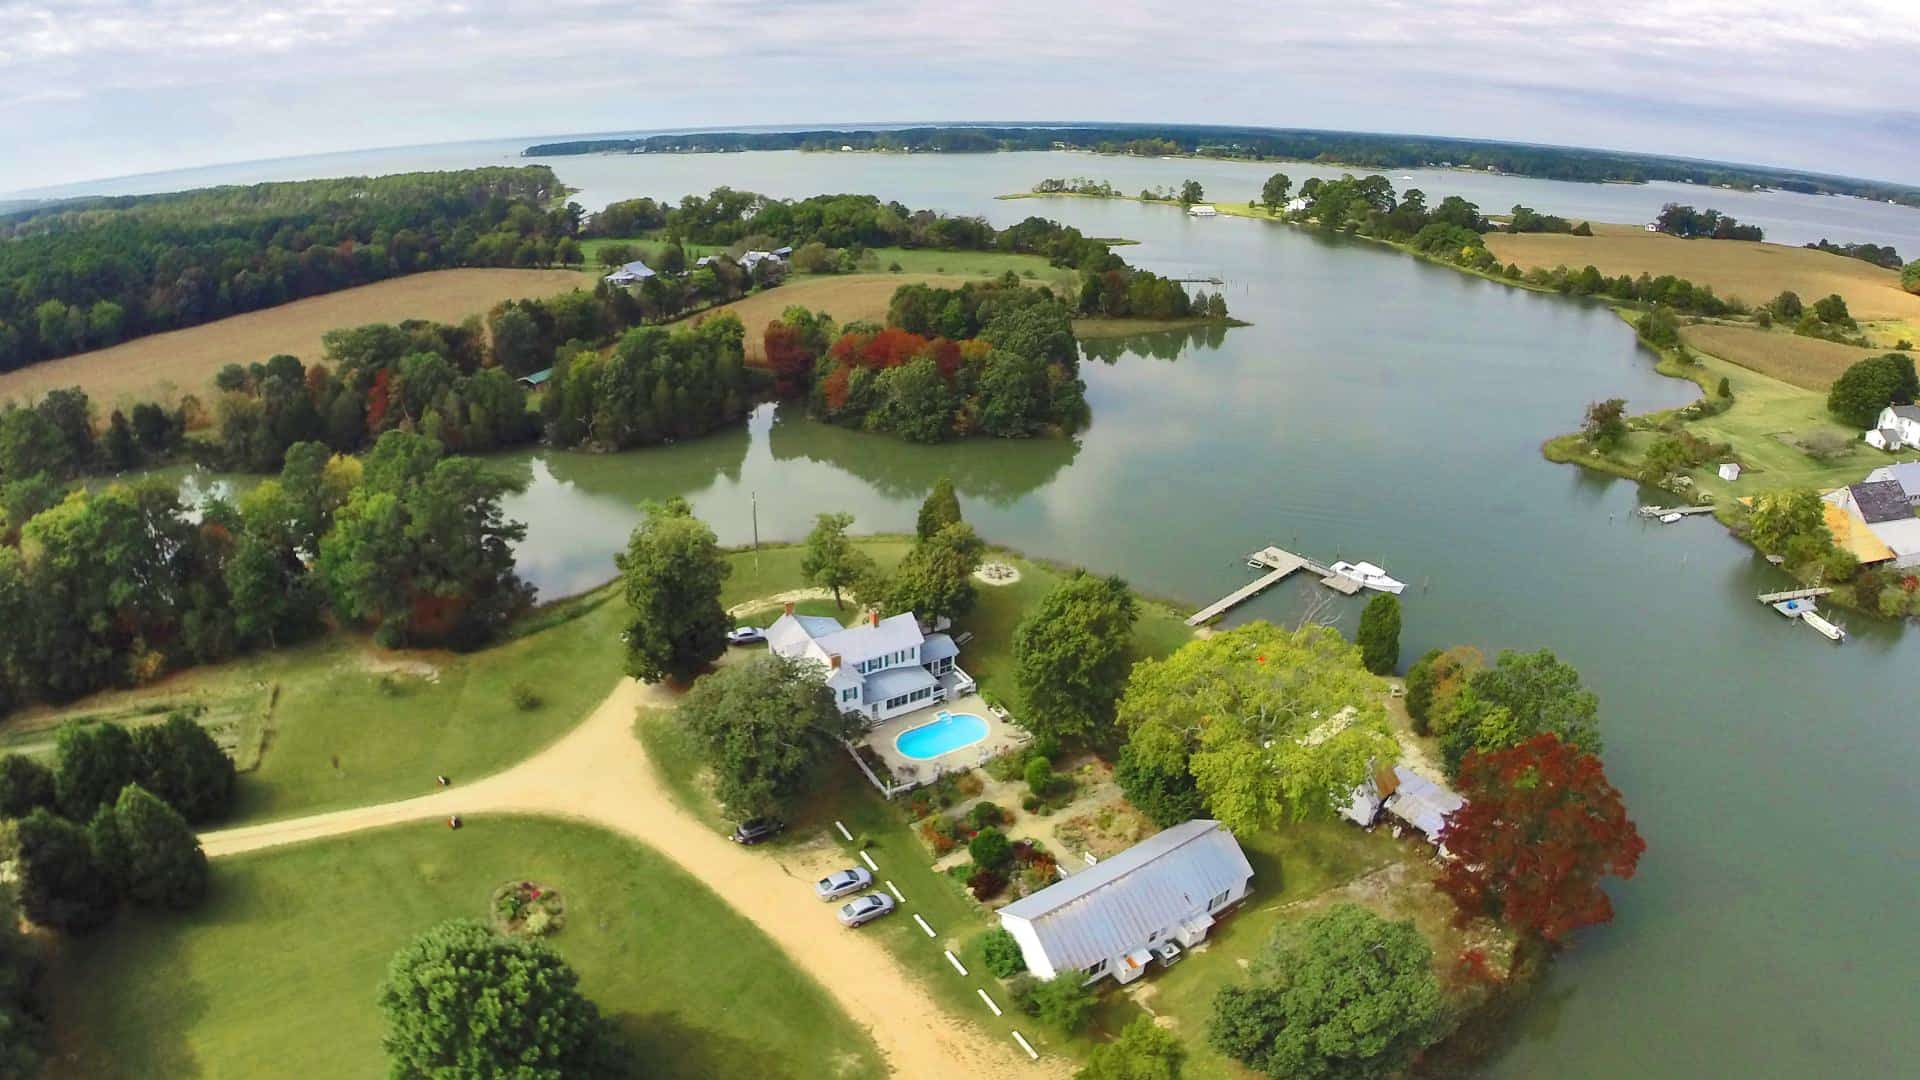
<point>789,607</point>
<point>833,661</point>
<point>873,617</point>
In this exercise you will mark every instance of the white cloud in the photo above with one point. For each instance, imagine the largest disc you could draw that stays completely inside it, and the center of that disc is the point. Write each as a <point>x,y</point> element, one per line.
<point>98,87</point>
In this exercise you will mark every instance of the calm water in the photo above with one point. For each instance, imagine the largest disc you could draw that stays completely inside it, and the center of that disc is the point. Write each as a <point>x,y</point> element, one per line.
<point>1389,410</point>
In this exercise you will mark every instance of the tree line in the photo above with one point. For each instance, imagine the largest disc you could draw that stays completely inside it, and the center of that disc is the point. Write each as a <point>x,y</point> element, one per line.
<point>995,359</point>
<point>1375,151</point>
<point>1687,223</point>
<point>119,586</point>
<point>1878,254</point>
<point>88,274</point>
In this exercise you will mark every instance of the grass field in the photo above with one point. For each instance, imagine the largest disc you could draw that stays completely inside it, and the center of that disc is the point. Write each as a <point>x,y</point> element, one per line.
<point>282,964</point>
<point>184,361</point>
<point>1806,362</point>
<point>350,724</point>
<point>1752,272</point>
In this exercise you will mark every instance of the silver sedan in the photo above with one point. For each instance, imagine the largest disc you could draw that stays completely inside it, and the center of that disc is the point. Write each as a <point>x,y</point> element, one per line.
<point>866,909</point>
<point>841,882</point>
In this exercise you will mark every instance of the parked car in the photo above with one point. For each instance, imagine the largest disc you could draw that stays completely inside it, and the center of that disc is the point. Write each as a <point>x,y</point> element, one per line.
<point>866,909</point>
<point>1168,953</point>
<point>752,832</point>
<point>841,882</point>
<point>746,635</point>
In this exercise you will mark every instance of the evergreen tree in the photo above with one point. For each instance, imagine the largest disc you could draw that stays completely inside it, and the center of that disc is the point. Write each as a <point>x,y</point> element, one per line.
<point>1379,636</point>
<point>62,884</point>
<point>151,851</point>
<point>941,509</point>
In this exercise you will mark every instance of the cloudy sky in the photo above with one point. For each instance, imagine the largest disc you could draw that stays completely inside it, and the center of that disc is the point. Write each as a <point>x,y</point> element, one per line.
<point>97,88</point>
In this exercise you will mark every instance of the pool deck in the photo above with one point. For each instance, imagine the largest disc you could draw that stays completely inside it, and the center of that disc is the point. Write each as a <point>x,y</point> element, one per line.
<point>1001,735</point>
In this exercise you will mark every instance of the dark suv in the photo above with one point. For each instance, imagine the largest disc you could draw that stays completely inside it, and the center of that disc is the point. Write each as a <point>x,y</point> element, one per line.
<point>752,832</point>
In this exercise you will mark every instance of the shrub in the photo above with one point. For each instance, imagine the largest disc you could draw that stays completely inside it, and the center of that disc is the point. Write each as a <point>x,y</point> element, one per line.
<point>524,698</point>
<point>991,849</point>
<point>939,835</point>
<point>539,923</point>
<point>1005,766</point>
<point>1039,775</point>
<point>1910,277</point>
<point>968,784</point>
<point>986,884</point>
<point>1726,388</point>
<point>1030,803</point>
<point>1020,992</point>
<point>25,786</point>
<point>1064,1002</point>
<point>894,268</point>
<point>1003,954</point>
<point>985,814</point>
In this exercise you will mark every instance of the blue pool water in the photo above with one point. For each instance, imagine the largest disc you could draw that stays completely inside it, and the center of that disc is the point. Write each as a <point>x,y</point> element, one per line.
<point>950,732</point>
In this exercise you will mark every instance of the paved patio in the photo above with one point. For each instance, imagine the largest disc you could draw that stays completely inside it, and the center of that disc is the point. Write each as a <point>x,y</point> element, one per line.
<point>1001,735</point>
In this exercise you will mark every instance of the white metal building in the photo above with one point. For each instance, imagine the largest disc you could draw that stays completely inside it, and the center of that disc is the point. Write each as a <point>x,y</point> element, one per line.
<point>1104,920</point>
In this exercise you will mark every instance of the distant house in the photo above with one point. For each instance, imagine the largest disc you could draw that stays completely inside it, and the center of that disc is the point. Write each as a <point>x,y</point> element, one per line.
<point>1906,474</point>
<point>535,380</point>
<point>632,273</point>
<point>753,260</point>
<point>1903,420</point>
<point>1652,227</point>
<point>1104,920</point>
<point>707,260</point>
<point>1414,800</point>
<point>1887,439</point>
<point>783,252</point>
<point>1202,210</point>
<point>1294,206</point>
<point>1729,471</point>
<point>878,668</point>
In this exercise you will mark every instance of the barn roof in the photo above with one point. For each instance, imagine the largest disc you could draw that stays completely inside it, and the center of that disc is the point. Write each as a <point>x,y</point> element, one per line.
<point>1111,907</point>
<point>1881,500</point>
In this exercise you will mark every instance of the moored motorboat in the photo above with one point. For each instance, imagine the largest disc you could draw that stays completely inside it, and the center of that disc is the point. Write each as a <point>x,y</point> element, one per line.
<point>1368,575</point>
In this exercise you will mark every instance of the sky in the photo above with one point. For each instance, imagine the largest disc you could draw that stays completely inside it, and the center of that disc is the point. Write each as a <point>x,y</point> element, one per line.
<point>101,88</point>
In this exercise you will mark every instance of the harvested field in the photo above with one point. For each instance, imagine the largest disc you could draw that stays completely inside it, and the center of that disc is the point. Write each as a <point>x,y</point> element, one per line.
<point>1809,363</point>
<point>1752,272</point>
<point>184,361</point>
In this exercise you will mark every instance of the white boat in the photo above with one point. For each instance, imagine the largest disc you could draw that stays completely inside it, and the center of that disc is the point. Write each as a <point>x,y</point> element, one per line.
<point>1822,625</point>
<point>1368,575</point>
<point>1668,519</point>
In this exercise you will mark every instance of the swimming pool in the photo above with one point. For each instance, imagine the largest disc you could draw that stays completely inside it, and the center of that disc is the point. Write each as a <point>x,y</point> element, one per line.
<point>952,731</point>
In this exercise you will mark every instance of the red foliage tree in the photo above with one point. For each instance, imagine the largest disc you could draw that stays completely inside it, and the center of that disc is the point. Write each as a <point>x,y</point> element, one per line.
<point>789,358</point>
<point>834,388</point>
<point>1540,829</point>
<point>891,348</point>
<point>378,397</point>
<point>946,357</point>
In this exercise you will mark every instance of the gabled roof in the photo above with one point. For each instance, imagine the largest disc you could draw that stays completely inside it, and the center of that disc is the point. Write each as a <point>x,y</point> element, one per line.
<point>1906,412</point>
<point>1421,803</point>
<point>937,647</point>
<point>864,641</point>
<point>538,377</point>
<point>1905,473</point>
<point>1111,907</point>
<point>1880,500</point>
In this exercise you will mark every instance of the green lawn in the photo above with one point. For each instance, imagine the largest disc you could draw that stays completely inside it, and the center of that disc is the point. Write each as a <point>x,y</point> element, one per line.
<point>283,962</point>
<point>341,732</point>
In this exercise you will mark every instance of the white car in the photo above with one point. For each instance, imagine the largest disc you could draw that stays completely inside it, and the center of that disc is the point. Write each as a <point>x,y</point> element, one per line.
<point>841,882</point>
<point>746,635</point>
<point>866,909</point>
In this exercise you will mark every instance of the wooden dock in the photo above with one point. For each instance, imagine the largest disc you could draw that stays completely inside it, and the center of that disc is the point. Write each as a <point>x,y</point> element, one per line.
<point>1279,564</point>
<point>1663,511</point>
<point>1792,594</point>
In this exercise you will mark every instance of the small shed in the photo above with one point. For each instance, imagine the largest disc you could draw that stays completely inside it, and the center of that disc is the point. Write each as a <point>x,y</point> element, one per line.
<point>536,379</point>
<point>1730,471</point>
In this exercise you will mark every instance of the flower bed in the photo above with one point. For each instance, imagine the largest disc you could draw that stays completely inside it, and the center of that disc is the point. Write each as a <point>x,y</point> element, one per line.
<point>526,907</point>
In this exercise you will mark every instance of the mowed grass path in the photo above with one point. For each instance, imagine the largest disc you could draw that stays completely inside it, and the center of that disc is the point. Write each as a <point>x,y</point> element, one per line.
<point>185,361</point>
<point>278,972</point>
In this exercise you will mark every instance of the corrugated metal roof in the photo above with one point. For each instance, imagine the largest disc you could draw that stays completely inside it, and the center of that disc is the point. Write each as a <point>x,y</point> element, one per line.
<point>1110,908</point>
<point>1422,803</point>
<point>864,641</point>
<point>1905,473</point>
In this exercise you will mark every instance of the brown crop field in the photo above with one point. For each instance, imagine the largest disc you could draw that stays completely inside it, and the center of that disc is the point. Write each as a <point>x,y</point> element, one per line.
<point>1809,363</point>
<point>184,361</point>
<point>1749,271</point>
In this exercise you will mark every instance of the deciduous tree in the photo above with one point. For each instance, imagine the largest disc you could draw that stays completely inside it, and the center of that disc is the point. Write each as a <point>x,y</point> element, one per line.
<point>1144,1051</point>
<point>182,765</point>
<point>460,1000</point>
<point>1276,724</point>
<point>62,884</point>
<point>1273,193</point>
<point>763,726</point>
<point>25,786</point>
<point>935,580</point>
<point>96,761</point>
<point>1070,656</point>
<point>1379,635</point>
<point>1522,695</point>
<point>1541,828</point>
<point>672,572</point>
<point>1342,994</point>
<point>832,561</point>
<point>150,850</point>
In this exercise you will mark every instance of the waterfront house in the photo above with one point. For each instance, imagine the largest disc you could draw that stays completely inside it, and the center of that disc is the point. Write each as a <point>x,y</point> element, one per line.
<point>632,273</point>
<point>877,668</point>
<point>1412,799</point>
<point>1906,474</point>
<point>1882,506</point>
<point>1202,210</point>
<point>1106,920</point>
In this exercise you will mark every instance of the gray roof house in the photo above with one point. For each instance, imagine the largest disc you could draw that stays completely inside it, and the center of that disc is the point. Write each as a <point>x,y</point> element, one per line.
<point>1406,795</point>
<point>632,273</point>
<point>1906,474</point>
<point>877,668</point>
<point>1106,920</point>
<point>1875,501</point>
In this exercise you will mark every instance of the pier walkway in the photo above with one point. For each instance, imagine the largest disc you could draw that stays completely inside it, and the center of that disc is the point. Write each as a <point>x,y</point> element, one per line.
<point>1279,564</point>
<point>1792,594</point>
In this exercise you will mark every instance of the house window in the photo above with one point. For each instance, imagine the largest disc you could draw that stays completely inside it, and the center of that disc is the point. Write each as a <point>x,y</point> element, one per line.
<point>1215,903</point>
<point>1098,967</point>
<point>849,693</point>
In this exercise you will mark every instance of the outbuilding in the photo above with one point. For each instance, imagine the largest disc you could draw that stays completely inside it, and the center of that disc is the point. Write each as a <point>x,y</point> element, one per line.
<point>632,273</point>
<point>1115,917</point>
<point>1729,471</point>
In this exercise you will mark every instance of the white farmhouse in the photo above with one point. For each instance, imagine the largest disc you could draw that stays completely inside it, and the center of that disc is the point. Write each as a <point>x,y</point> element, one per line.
<point>632,273</point>
<point>1106,920</point>
<point>878,668</point>
<point>1898,426</point>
